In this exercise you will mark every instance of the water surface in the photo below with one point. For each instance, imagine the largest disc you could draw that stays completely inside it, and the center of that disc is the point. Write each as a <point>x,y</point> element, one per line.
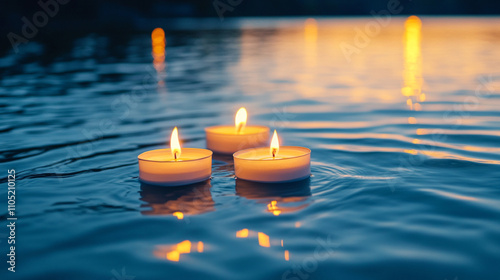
<point>403,128</point>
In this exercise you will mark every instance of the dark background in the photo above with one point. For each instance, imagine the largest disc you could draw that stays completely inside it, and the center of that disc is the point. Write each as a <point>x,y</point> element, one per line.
<point>100,9</point>
<point>92,16</point>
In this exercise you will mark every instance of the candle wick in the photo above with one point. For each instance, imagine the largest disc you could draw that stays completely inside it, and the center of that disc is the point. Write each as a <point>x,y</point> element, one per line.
<point>240,126</point>
<point>175,156</point>
<point>274,153</point>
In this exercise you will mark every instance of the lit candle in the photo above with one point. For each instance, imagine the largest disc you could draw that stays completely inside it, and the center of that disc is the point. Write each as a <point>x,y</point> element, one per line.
<point>274,164</point>
<point>175,167</point>
<point>227,139</point>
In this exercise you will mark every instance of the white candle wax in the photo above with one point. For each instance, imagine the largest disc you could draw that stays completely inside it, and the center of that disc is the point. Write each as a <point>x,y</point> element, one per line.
<point>225,139</point>
<point>158,167</point>
<point>257,164</point>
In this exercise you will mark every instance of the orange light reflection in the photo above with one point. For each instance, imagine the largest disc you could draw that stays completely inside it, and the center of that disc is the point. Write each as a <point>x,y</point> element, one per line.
<point>264,240</point>
<point>412,74</point>
<point>242,233</point>
<point>271,207</point>
<point>179,215</point>
<point>173,252</point>
<point>158,44</point>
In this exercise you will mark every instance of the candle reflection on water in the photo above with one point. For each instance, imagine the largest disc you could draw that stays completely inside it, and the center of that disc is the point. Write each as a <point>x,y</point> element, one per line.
<point>174,252</point>
<point>412,74</point>
<point>263,240</point>
<point>242,233</point>
<point>278,198</point>
<point>311,42</point>
<point>187,200</point>
<point>158,44</point>
<point>181,201</point>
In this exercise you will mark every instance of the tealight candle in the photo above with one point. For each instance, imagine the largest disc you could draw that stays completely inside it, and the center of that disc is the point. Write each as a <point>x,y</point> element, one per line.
<point>227,139</point>
<point>274,164</point>
<point>175,167</point>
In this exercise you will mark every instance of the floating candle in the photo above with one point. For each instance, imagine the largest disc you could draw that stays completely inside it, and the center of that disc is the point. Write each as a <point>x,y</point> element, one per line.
<point>274,164</point>
<point>175,167</point>
<point>227,139</point>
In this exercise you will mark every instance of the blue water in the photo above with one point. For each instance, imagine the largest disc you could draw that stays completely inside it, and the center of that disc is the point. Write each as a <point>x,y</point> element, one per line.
<point>404,134</point>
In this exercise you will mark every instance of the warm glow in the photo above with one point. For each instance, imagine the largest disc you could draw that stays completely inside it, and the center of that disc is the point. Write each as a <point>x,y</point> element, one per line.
<point>412,74</point>
<point>242,233</point>
<point>273,208</point>
<point>241,119</point>
<point>179,215</point>
<point>200,247</point>
<point>158,35</point>
<point>287,255</point>
<point>311,29</point>
<point>184,247</point>
<point>264,240</point>
<point>411,152</point>
<point>175,147</point>
<point>174,252</point>
<point>310,48</point>
<point>158,43</point>
<point>173,256</point>
<point>409,103</point>
<point>422,97</point>
<point>275,145</point>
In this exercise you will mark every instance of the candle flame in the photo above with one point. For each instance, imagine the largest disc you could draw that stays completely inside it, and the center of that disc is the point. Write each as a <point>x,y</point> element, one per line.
<point>275,145</point>
<point>241,119</point>
<point>175,147</point>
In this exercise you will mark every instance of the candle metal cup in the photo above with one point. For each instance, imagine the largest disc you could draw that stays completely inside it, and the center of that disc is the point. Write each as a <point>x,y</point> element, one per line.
<point>225,139</point>
<point>291,164</point>
<point>158,167</point>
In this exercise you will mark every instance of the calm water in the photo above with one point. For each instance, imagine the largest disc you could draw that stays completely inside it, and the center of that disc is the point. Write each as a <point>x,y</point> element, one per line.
<point>403,126</point>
